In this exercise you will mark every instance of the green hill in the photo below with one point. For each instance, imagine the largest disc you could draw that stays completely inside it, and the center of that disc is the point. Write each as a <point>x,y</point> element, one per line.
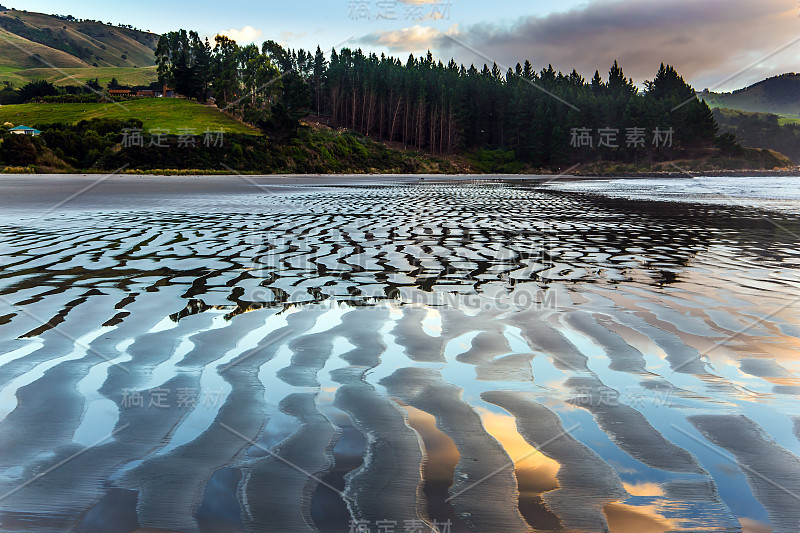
<point>763,115</point>
<point>38,46</point>
<point>779,95</point>
<point>76,76</point>
<point>167,114</point>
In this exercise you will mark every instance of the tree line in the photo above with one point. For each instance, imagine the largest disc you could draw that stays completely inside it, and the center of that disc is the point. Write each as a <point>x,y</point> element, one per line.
<point>44,91</point>
<point>442,108</point>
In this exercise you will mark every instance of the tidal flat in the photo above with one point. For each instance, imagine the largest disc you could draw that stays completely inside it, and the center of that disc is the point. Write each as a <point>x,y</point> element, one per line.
<point>398,353</point>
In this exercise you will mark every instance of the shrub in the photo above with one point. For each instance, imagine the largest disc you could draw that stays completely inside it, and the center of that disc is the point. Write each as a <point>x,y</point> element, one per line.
<point>18,150</point>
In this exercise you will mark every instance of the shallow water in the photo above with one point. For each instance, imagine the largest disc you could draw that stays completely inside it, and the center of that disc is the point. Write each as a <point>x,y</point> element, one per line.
<point>225,354</point>
<point>771,193</point>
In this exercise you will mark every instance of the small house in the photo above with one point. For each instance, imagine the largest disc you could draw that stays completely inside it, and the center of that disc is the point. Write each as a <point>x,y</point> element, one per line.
<point>146,94</point>
<point>119,92</point>
<point>25,130</point>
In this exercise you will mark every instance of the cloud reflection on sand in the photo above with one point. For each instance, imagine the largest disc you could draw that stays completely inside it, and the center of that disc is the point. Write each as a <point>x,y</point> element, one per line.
<point>399,343</point>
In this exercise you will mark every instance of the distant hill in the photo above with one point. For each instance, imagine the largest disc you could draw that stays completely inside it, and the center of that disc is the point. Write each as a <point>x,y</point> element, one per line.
<point>33,42</point>
<point>779,95</point>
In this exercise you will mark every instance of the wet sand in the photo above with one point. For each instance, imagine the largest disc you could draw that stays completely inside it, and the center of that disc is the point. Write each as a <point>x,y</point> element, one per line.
<point>231,354</point>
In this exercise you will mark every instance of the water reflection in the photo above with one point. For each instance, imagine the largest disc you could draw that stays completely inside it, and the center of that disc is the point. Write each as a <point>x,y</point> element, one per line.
<point>600,360</point>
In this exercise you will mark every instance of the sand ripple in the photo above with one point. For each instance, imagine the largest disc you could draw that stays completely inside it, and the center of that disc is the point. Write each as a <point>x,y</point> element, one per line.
<point>250,361</point>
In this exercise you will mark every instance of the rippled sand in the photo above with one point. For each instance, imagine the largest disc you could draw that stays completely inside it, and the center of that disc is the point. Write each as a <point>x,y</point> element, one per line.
<point>249,354</point>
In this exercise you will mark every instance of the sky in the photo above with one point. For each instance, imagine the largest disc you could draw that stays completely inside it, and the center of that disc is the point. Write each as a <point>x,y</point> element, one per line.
<point>717,44</point>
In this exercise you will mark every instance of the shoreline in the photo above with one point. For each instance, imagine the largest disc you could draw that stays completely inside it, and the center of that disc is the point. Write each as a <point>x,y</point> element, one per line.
<point>698,174</point>
<point>177,173</point>
<point>126,192</point>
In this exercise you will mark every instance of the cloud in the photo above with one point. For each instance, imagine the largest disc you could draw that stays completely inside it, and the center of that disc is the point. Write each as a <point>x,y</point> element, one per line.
<point>287,37</point>
<point>245,35</point>
<point>416,39</point>
<point>707,41</point>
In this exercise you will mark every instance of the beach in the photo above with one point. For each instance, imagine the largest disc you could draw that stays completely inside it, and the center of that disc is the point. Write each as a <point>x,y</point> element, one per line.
<point>313,353</point>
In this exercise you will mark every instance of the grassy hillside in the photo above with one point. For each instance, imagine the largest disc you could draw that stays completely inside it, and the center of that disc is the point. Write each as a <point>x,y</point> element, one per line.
<point>37,46</point>
<point>74,76</point>
<point>89,42</point>
<point>168,114</point>
<point>761,130</point>
<point>18,53</point>
<point>779,95</point>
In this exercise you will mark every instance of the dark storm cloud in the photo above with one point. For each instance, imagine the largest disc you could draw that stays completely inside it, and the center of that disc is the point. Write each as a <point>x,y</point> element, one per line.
<point>707,40</point>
